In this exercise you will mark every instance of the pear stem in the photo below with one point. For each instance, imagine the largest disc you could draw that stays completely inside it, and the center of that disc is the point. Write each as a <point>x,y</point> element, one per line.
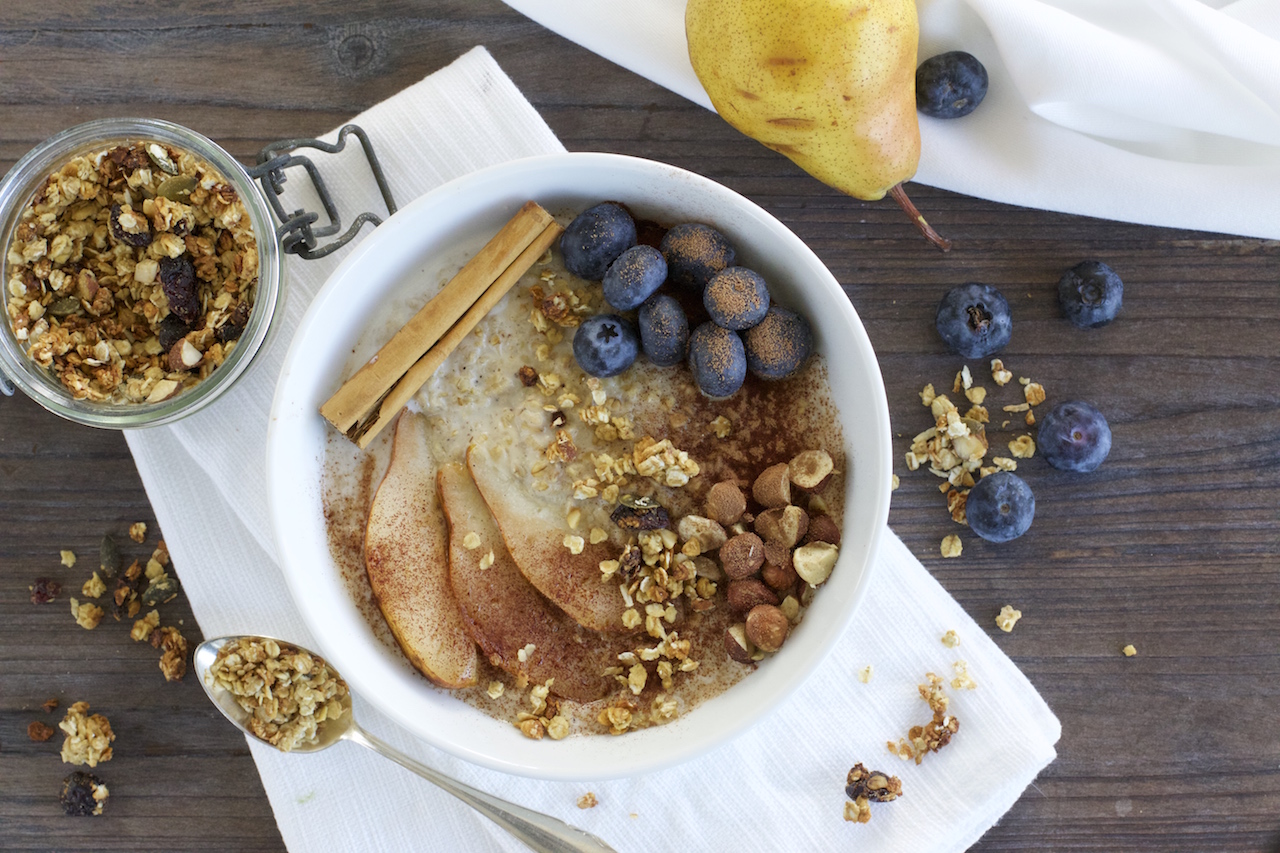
<point>900,196</point>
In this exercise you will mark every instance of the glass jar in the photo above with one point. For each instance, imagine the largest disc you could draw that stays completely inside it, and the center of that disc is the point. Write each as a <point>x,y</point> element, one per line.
<point>17,191</point>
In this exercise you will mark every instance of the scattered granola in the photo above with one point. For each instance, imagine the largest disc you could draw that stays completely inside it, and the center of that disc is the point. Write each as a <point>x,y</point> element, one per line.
<point>1007,618</point>
<point>588,801</point>
<point>87,615</point>
<point>998,374</point>
<point>951,639</point>
<point>963,680</point>
<point>83,794</point>
<point>143,627</point>
<point>1023,447</point>
<point>138,532</point>
<point>88,738</point>
<point>951,546</point>
<point>93,587</point>
<point>933,735</point>
<point>1129,651</point>
<point>131,273</point>
<point>68,558</point>
<point>864,674</point>
<point>288,692</point>
<point>50,705</point>
<point>173,661</point>
<point>863,787</point>
<point>39,732</point>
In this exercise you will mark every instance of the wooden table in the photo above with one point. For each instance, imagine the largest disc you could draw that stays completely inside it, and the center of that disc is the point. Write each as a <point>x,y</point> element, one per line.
<point>1171,546</point>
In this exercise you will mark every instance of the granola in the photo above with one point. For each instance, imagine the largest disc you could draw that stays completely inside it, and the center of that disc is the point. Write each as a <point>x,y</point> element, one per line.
<point>131,273</point>
<point>933,735</point>
<point>863,787</point>
<point>1007,618</point>
<point>287,692</point>
<point>88,738</point>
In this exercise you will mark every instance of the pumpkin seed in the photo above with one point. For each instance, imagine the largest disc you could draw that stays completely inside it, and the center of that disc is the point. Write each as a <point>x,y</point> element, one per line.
<point>177,188</point>
<point>161,158</point>
<point>64,307</point>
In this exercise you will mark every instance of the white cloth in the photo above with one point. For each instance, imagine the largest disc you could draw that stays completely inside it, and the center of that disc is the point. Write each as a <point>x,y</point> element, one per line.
<point>1162,112</point>
<point>779,786</point>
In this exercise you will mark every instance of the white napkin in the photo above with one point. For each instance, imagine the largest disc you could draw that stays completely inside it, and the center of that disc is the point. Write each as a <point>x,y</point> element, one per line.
<point>1163,112</point>
<point>780,786</point>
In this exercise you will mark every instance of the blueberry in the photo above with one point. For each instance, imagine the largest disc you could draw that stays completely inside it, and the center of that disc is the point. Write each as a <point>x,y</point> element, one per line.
<point>1090,294</point>
<point>595,239</point>
<point>717,359</point>
<point>634,276</point>
<point>605,345</point>
<point>779,344</point>
<point>694,254</point>
<point>1000,507</point>
<point>664,330</point>
<point>736,298</point>
<point>1074,436</point>
<point>974,320</point>
<point>950,85</point>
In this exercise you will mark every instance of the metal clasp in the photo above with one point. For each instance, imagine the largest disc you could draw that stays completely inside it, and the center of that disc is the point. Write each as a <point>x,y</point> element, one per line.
<point>297,232</point>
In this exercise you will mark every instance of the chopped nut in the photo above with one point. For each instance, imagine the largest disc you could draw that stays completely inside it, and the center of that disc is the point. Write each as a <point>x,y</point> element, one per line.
<point>721,426</point>
<point>810,469</point>
<point>785,526</point>
<point>1034,393</point>
<point>814,562</point>
<point>93,587</point>
<point>707,533</point>
<point>1007,618</point>
<point>998,373</point>
<point>496,689</point>
<point>68,558</point>
<point>138,531</point>
<point>951,546</point>
<point>528,376</point>
<point>1129,651</point>
<point>87,615</point>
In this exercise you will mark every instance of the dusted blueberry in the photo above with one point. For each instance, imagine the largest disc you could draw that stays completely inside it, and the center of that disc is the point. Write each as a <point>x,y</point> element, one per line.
<point>694,254</point>
<point>974,320</point>
<point>1074,436</point>
<point>950,85</point>
<point>664,330</point>
<point>605,345</point>
<point>737,298</point>
<point>1090,294</point>
<point>717,359</point>
<point>1000,507</point>
<point>595,239</point>
<point>634,276</point>
<point>779,344</point>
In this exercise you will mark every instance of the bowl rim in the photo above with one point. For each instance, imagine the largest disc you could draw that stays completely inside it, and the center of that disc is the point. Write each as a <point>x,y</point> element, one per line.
<point>16,191</point>
<point>290,415</point>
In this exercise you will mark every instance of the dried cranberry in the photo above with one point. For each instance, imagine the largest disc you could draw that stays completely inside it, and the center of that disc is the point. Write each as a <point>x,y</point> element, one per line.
<point>178,276</point>
<point>233,327</point>
<point>172,329</point>
<point>77,794</point>
<point>139,240</point>
<point>45,590</point>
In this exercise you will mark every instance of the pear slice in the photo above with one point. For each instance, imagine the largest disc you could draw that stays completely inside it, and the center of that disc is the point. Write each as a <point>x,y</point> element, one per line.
<point>503,611</point>
<point>533,529</point>
<point>406,556</point>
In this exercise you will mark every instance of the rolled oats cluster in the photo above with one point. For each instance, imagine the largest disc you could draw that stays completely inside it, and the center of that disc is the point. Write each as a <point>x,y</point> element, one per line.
<point>288,692</point>
<point>88,737</point>
<point>132,273</point>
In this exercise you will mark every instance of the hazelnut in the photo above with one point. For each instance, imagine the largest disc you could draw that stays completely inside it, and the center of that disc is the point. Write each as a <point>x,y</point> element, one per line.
<point>783,526</point>
<point>746,594</point>
<point>736,644</point>
<point>773,487</point>
<point>810,469</point>
<point>726,503</point>
<point>822,528</point>
<point>742,556</point>
<point>779,577</point>
<point>767,627</point>
<point>813,562</point>
<point>710,534</point>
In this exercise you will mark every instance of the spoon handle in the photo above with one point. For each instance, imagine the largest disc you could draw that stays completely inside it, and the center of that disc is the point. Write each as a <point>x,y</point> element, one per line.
<point>541,832</point>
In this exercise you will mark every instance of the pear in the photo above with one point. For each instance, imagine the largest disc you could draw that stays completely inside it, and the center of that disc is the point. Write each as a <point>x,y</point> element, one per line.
<point>406,557</point>
<point>828,83</point>
<point>506,614</point>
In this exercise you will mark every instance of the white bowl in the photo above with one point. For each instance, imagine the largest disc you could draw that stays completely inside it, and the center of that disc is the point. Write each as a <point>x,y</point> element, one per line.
<point>422,239</point>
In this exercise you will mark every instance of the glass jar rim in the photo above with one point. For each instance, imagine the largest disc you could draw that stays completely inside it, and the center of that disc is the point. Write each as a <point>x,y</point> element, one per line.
<point>17,189</point>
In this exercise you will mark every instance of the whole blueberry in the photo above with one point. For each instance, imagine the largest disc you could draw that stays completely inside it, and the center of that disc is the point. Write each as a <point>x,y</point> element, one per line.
<point>634,276</point>
<point>736,298</point>
<point>974,320</point>
<point>779,344</point>
<point>1000,507</point>
<point>595,239</point>
<point>664,330</point>
<point>717,359</point>
<point>605,345</point>
<point>950,85</point>
<point>1074,436</point>
<point>1090,294</point>
<point>694,253</point>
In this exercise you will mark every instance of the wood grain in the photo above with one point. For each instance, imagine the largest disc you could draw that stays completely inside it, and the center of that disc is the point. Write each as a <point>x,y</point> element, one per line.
<point>1171,546</point>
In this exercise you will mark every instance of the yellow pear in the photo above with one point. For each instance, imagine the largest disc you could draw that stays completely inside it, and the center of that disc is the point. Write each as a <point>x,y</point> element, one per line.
<point>828,83</point>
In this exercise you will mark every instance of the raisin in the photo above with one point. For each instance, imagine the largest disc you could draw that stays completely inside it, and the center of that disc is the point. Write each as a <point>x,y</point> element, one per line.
<point>629,563</point>
<point>528,376</point>
<point>634,513</point>
<point>178,276</point>
<point>39,732</point>
<point>233,327</point>
<point>45,590</point>
<point>77,794</point>
<point>876,786</point>
<point>172,329</point>
<point>139,240</point>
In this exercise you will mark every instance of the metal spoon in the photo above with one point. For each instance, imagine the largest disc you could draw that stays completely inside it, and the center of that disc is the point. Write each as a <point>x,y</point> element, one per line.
<point>541,832</point>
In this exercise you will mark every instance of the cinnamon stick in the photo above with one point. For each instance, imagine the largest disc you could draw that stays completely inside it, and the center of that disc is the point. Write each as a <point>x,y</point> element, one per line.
<point>360,396</point>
